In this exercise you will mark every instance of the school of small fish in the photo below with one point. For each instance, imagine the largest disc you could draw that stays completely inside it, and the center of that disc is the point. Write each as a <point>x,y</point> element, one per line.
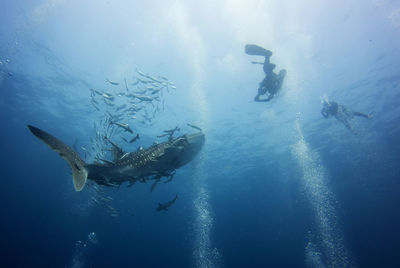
<point>121,107</point>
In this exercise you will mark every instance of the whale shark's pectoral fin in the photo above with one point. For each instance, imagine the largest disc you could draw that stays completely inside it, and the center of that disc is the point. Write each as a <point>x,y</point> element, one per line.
<point>77,165</point>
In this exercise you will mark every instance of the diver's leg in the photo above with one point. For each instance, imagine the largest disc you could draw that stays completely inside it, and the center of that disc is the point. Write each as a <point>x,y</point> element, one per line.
<point>345,122</point>
<point>361,115</point>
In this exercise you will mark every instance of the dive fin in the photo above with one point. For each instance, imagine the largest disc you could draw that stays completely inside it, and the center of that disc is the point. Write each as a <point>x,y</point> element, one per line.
<point>77,165</point>
<point>251,49</point>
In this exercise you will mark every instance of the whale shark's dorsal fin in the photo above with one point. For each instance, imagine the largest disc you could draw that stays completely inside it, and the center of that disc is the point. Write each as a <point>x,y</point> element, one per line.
<point>77,165</point>
<point>116,151</point>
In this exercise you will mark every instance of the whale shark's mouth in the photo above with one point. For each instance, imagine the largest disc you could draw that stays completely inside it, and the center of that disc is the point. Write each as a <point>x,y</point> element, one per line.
<point>194,143</point>
<point>195,140</point>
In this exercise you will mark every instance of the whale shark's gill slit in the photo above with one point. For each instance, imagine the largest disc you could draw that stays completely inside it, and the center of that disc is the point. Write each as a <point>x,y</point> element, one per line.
<point>326,248</point>
<point>76,166</point>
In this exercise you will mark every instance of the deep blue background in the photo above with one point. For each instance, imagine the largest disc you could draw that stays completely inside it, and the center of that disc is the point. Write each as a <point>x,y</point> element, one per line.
<point>254,190</point>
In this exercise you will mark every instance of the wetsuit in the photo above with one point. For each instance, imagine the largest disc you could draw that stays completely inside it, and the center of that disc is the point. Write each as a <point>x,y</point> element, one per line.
<point>340,112</point>
<point>272,81</point>
<point>271,84</point>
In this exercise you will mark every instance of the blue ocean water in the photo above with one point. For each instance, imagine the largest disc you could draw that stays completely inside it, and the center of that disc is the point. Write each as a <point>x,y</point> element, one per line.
<point>275,185</point>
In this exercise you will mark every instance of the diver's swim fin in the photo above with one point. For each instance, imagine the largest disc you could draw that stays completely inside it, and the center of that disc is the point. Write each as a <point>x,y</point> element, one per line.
<point>77,165</point>
<point>251,49</point>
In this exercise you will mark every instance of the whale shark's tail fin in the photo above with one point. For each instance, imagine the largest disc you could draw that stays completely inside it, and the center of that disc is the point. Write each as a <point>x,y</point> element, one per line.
<point>77,165</point>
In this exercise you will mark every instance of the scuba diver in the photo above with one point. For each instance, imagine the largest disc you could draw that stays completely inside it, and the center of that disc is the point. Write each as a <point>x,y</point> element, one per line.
<point>272,81</point>
<point>341,113</point>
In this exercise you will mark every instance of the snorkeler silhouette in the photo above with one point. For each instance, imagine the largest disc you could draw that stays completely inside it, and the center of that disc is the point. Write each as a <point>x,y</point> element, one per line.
<point>272,82</point>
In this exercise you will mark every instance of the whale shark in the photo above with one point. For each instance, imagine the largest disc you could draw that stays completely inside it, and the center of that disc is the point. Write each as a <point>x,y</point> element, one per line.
<point>154,162</point>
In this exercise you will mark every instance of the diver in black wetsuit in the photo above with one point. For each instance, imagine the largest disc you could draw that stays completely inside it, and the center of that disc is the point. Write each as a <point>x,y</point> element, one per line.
<point>272,81</point>
<point>341,113</point>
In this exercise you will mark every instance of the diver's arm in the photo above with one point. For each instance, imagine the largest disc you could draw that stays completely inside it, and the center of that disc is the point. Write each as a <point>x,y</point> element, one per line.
<point>270,97</point>
<point>257,98</point>
<point>361,114</point>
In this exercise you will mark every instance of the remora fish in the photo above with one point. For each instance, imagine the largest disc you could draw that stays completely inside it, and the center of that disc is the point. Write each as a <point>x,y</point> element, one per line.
<point>124,126</point>
<point>135,138</point>
<point>193,126</point>
<point>162,158</point>
<point>112,83</point>
<point>145,98</point>
<point>166,205</point>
